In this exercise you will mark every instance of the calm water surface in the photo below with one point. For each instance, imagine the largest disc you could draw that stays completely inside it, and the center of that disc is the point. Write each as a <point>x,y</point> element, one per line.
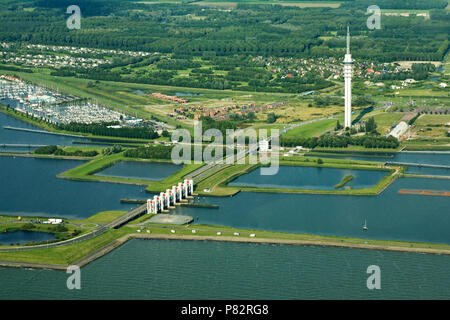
<point>163,269</point>
<point>22,237</point>
<point>205,270</point>
<point>29,186</point>
<point>23,137</point>
<point>289,177</point>
<point>141,170</point>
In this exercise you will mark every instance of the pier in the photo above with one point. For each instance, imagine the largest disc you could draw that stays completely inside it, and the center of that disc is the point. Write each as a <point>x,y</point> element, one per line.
<point>42,131</point>
<point>425,192</point>
<point>3,145</point>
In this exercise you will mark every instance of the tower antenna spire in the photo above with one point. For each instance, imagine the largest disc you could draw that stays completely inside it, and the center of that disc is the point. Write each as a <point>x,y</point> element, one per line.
<point>348,39</point>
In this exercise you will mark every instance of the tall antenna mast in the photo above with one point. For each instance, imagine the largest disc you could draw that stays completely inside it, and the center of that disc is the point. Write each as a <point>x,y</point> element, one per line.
<point>348,39</point>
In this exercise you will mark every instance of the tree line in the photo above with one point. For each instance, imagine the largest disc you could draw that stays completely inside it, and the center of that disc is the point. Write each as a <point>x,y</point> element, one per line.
<point>341,141</point>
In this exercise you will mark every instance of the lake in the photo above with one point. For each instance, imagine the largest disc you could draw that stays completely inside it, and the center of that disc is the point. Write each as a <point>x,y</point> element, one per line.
<point>141,170</point>
<point>29,186</point>
<point>162,269</point>
<point>23,237</point>
<point>168,269</point>
<point>298,177</point>
<point>23,137</point>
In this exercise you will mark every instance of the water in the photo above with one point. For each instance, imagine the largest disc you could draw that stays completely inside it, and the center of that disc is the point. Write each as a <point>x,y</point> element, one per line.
<point>139,92</point>
<point>208,270</point>
<point>23,137</point>
<point>23,237</point>
<point>309,178</point>
<point>389,215</point>
<point>429,171</point>
<point>187,94</point>
<point>141,170</point>
<point>406,157</point>
<point>29,186</point>
<point>163,269</point>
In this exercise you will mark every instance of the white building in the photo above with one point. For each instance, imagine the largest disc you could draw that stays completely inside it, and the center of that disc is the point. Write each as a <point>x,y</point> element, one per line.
<point>263,145</point>
<point>399,130</point>
<point>348,70</point>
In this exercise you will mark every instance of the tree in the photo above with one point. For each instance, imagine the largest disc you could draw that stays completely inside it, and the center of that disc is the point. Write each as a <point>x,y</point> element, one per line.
<point>27,226</point>
<point>165,134</point>
<point>338,126</point>
<point>371,125</point>
<point>251,116</point>
<point>271,117</point>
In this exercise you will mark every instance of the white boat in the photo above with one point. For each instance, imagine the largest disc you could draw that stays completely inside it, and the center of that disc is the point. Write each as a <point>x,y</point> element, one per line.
<point>365,225</point>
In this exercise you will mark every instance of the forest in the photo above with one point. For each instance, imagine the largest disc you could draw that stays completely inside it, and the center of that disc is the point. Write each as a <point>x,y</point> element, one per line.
<point>188,37</point>
<point>336,141</point>
<point>101,129</point>
<point>191,30</point>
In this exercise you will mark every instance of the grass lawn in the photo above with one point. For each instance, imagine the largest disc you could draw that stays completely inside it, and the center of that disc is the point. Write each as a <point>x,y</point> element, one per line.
<point>86,171</point>
<point>432,125</point>
<point>312,129</point>
<point>384,120</point>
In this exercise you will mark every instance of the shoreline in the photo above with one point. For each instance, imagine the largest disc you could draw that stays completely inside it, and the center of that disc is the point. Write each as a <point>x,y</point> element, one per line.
<point>300,242</point>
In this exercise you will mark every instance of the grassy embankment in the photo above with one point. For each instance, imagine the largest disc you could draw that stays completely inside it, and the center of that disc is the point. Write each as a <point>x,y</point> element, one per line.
<point>70,254</point>
<point>69,229</point>
<point>344,181</point>
<point>312,129</point>
<point>86,171</point>
<point>218,180</point>
<point>359,149</point>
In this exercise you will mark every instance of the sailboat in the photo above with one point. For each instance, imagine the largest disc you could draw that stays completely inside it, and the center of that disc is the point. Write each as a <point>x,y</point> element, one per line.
<point>365,225</point>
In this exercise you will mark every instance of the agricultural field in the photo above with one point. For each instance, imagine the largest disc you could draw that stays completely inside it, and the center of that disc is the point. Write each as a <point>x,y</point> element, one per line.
<point>312,129</point>
<point>432,125</point>
<point>384,120</point>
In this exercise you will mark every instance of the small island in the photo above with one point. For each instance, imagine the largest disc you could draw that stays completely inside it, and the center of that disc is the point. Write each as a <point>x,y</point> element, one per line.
<point>344,181</point>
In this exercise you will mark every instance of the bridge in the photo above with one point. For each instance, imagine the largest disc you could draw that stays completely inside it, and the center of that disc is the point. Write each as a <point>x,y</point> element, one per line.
<point>112,225</point>
<point>128,217</point>
<point>424,165</point>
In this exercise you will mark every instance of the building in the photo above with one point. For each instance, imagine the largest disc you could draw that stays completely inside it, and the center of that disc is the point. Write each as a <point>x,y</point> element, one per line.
<point>348,69</point>
<point>264,145</point>
<point>399,130</point>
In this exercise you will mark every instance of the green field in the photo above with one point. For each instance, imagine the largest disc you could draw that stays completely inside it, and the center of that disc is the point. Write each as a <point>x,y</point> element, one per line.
<point>217,182</point>
<point>86,171</point>
<point>312,129</point>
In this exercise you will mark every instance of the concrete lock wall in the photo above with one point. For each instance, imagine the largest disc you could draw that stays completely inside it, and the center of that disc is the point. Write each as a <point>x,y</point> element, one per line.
<point>163,201</point>
<point>190,186</point>
<point>151,206</point>
<point>175,196</point>
<point>157,204</point>
<point>170,196</point>
<point>186,188</point>
<point>180,191</point>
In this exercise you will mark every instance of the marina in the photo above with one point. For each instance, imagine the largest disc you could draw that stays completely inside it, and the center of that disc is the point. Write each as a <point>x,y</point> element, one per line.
<point>54,107</point>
